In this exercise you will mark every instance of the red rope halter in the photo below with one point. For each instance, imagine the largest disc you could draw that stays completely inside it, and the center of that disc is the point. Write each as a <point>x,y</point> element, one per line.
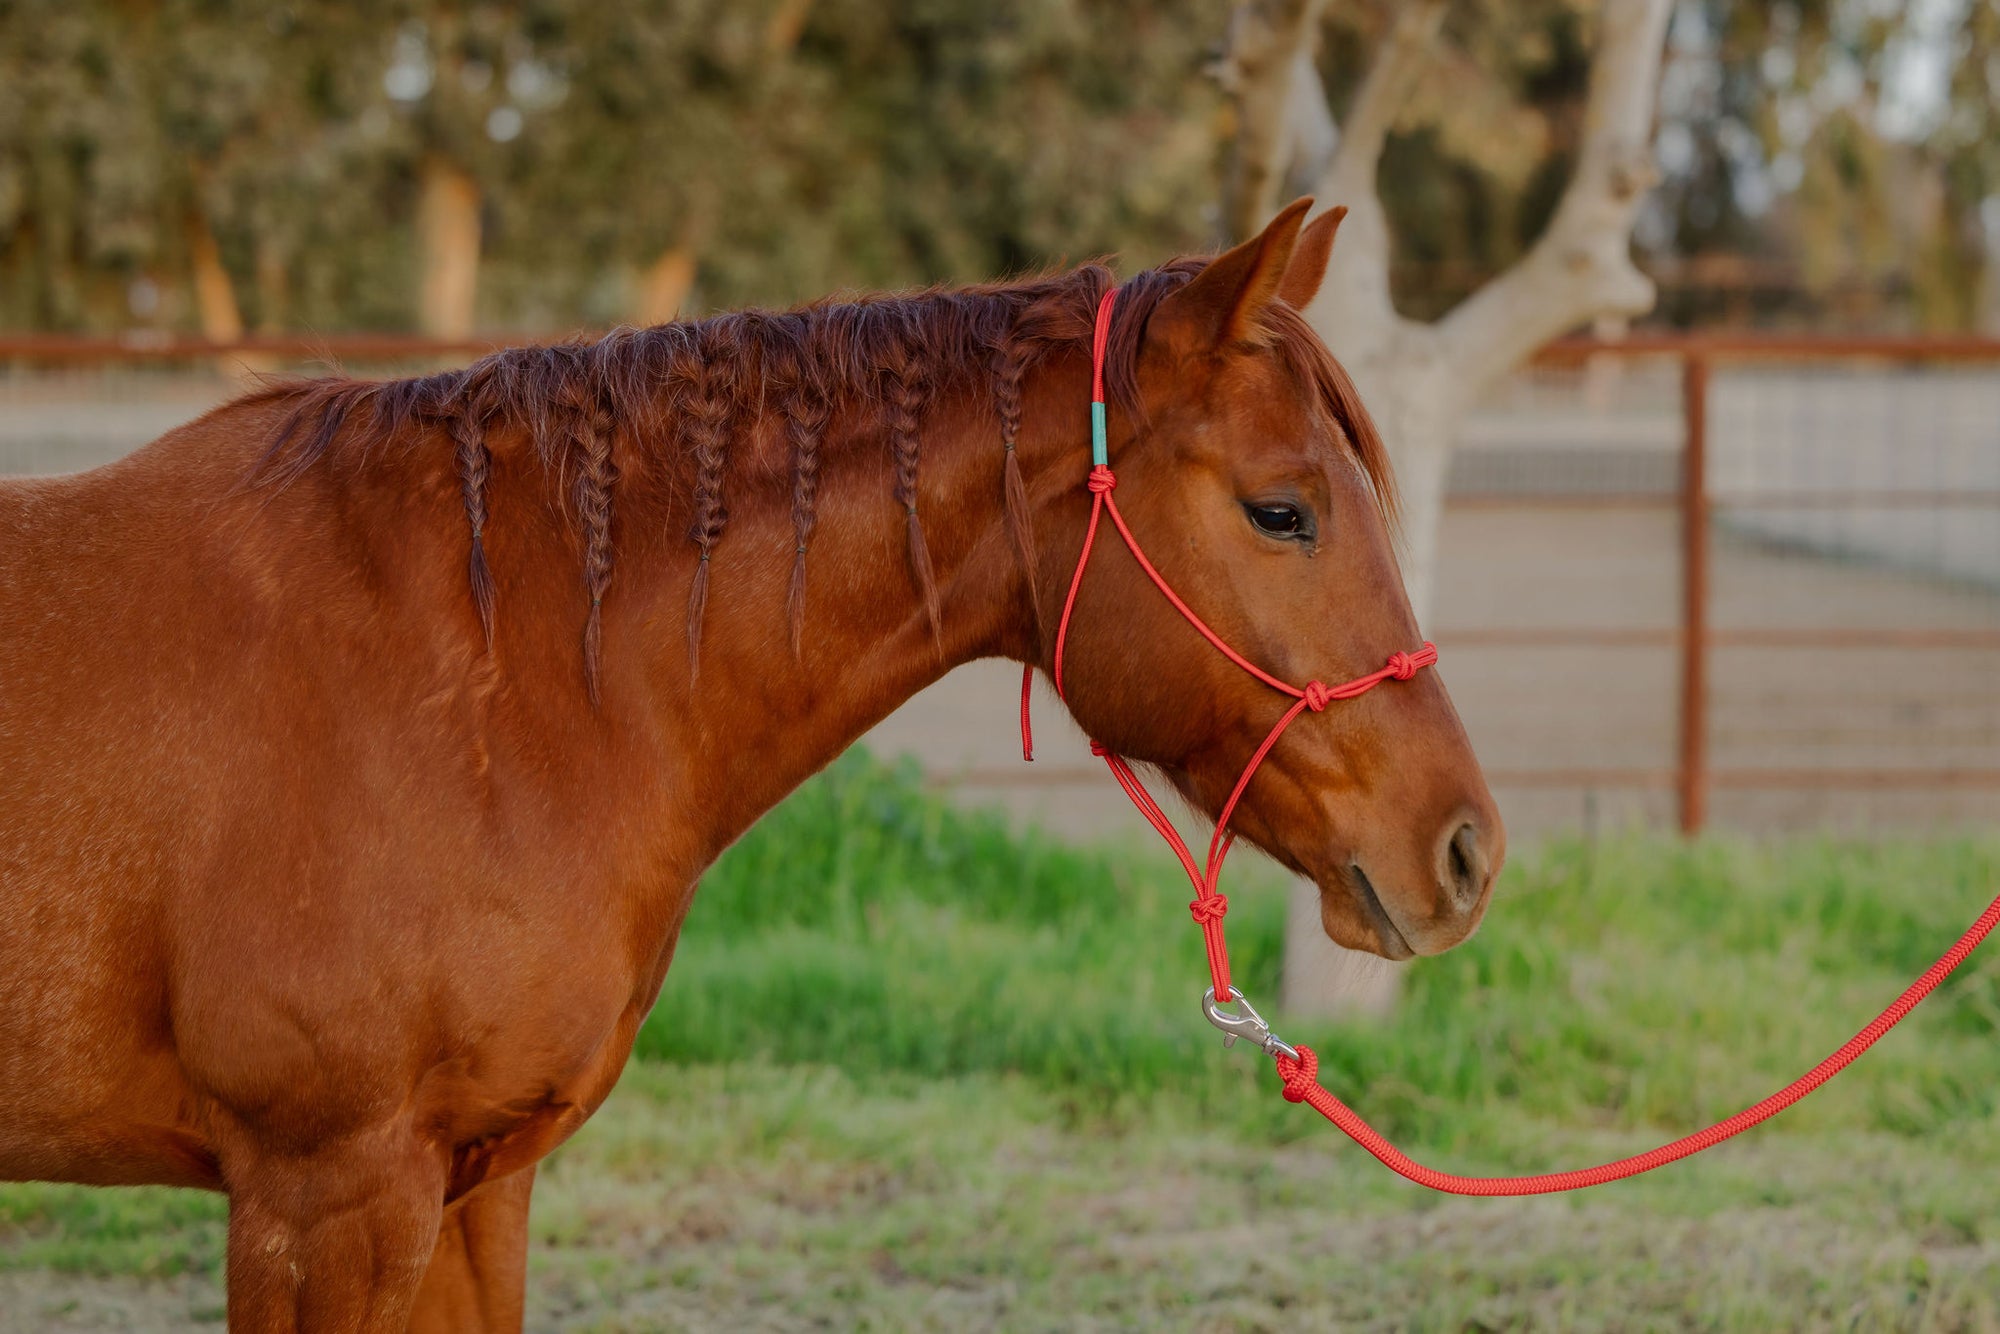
<point>1298,1066</point>
<point>1209,905</point>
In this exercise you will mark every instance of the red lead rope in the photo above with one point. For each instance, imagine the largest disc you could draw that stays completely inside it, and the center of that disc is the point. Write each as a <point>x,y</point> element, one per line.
<point>1299,1067</point>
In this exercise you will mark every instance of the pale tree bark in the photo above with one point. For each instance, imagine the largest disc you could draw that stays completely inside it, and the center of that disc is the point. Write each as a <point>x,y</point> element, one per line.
<point>1419,378</point>
<point>1258,70</point>
<point>215,301</point>
<point>664,286</point>
<point>785,26</point>
<point>1989,281</point>
<point>448,235</point>
<point>214,296</point>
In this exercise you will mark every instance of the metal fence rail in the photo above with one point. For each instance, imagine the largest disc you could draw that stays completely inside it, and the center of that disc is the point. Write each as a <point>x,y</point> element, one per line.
<point>1700,504</point>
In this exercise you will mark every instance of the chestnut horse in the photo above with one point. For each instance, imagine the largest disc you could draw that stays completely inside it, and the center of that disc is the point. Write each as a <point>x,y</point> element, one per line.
<point>339,885</point>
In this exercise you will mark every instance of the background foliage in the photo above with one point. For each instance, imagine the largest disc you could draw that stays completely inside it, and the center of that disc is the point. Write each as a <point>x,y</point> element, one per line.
<point>1818,155</point>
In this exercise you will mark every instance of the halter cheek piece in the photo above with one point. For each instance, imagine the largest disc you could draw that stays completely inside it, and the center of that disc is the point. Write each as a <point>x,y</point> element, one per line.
<point>1298,1067</point>
<point>1209,905</point>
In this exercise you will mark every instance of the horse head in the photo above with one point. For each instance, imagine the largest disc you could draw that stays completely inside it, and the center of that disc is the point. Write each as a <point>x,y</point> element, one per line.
<point>1252,476</point>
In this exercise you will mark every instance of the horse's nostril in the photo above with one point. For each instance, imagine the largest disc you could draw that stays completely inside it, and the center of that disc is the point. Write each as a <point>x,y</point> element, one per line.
<point>1466,863</point>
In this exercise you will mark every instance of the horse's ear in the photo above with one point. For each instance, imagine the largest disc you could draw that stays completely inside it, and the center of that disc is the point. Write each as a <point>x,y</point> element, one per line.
<point>1308,263</point>
<point>1224,302</point>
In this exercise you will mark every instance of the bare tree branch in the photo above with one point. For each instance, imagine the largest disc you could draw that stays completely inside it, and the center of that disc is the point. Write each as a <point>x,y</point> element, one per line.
<point>785,26</point>
<point>1314,137</point>
<point>1261,56</point>
<point>1357,282</point>
<point>1405,51</point>
<point>1581,268</point>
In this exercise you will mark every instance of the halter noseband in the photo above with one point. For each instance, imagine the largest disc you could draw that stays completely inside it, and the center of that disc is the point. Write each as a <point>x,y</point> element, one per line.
<point>1209,905</point>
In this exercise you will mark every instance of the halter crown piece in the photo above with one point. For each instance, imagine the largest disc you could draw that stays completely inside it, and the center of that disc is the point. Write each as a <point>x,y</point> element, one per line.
<point>1298,1067</point>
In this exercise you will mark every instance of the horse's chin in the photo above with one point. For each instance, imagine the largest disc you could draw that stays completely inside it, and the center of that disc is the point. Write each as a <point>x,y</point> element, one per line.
<point>1354,915</point>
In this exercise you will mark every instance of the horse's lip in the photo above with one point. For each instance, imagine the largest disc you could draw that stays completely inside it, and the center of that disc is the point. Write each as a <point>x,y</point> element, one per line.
<point>1394,944</point>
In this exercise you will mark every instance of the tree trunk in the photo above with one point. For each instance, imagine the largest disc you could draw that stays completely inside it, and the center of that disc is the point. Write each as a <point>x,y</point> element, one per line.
<point>448,241</point>
<point>785,26</point>
<point>274,285</point>
<point>664,287</point>
<point>1322,978</point>
<point>1325,979</point>
<point>215,304</point>
<point>214,298</point>
<point>1419,379</point>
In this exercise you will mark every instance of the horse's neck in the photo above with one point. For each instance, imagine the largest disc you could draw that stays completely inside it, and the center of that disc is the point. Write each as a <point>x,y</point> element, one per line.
<point>757,718</point>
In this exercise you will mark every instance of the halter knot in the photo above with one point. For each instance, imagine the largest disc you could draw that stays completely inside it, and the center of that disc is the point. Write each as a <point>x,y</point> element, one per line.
<point>1101,480</point>
<point>1210,909</point>
<point>1316,696</point>
<point>1098,748</point>
<point>1301,1076</point>
<point>1401,665</point>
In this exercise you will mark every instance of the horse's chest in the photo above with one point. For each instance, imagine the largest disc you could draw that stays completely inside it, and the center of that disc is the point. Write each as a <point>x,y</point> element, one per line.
<point>527,1084</point>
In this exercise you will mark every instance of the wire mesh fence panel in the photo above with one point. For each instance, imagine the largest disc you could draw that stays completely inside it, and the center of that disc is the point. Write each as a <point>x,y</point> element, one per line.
<point>1856,594</point>
<point>1847,611</point>
<point>1559,591</point>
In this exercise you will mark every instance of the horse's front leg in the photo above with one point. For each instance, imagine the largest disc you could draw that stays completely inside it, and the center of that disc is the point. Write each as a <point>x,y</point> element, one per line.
<point>478,1274</point>
<point>335,1241</point>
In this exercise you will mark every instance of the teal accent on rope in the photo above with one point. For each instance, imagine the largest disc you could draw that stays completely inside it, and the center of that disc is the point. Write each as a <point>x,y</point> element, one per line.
<point>1100,452</point>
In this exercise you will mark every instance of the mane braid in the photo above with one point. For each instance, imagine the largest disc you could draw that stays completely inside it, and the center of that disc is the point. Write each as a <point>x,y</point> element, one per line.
<point>596,475</point>
<point>709,408</point>
<point>1010,365</point>
<point>804,405</point>
<point>475,463</point>
<point>904,401</point>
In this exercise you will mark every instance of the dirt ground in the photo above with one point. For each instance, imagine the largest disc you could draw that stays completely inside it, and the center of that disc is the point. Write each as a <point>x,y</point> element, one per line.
<point>725,1203</point>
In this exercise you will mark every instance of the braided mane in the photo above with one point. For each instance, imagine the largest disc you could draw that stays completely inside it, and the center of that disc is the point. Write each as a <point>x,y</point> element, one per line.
<point>689,395</point>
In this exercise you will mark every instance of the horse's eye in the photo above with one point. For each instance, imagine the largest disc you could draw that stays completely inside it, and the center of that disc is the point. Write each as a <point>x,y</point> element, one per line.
<point>1278,520</point>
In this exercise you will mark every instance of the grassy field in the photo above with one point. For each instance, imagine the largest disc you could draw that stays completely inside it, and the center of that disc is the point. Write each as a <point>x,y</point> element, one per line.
<point>914,1071</point>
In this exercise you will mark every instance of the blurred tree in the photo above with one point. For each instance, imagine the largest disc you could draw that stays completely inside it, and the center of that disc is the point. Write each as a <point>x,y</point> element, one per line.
<point>1475,159</point>
<point>342,165</point>
<point>1850,149</point>
<point>541,163</point>
<point>1419,376</point>
<point>1423,78</point>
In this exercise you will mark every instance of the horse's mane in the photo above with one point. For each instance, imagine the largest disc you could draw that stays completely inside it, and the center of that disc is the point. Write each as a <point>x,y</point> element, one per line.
<point>888,358</point>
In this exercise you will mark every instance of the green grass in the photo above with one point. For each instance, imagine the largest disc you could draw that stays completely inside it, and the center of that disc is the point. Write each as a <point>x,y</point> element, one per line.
<point>913,1069</point>
<point>148,1233</point>
<point>1643,983</point>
